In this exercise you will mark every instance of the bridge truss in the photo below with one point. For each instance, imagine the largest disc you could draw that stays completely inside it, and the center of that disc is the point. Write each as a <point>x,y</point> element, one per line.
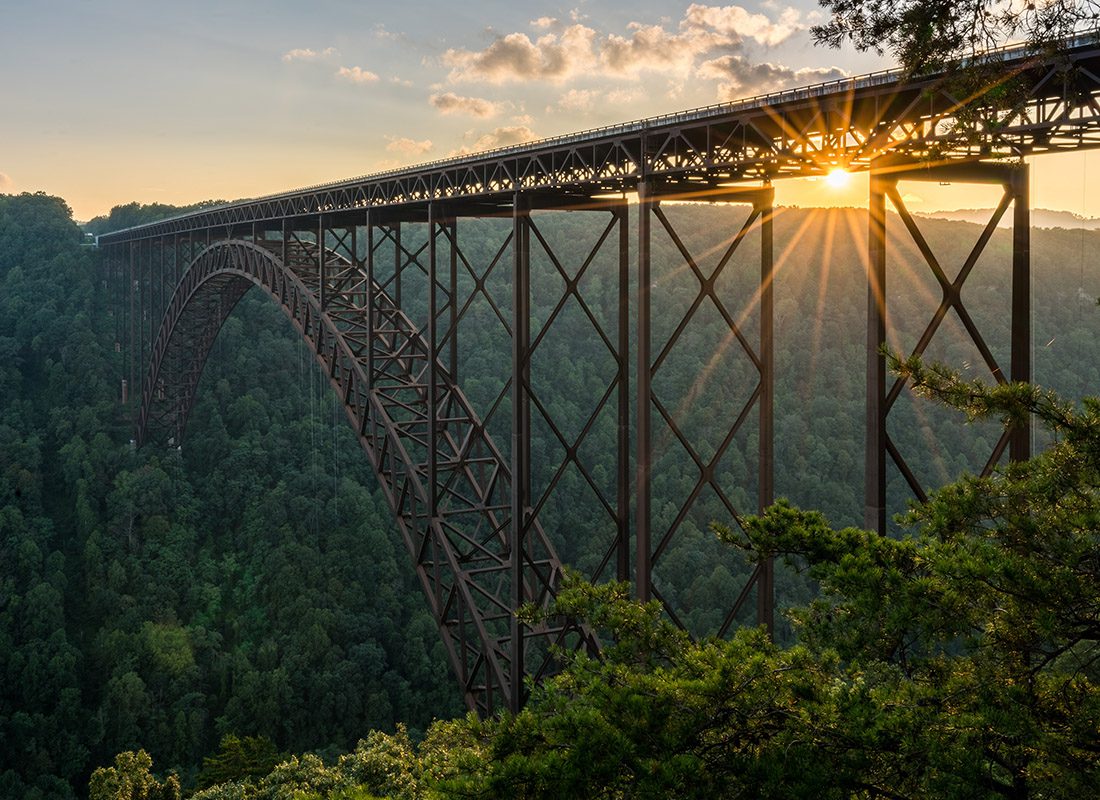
<point>341,261</point>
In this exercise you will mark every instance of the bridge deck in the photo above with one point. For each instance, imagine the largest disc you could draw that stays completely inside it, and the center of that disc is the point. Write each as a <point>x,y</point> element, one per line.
<point>802,131</point>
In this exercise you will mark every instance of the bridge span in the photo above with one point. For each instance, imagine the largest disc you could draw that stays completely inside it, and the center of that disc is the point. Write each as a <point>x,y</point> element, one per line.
<point>339,260</point>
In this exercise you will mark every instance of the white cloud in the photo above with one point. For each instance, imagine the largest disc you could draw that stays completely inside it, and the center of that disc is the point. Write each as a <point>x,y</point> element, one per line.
<point>306,54</point>
<point>504,136</point>
<point>514,57</point>
<point>739,77</point>
<point>651,47</point>
<point>6,182</point>
<point>562,53</point>
<point>736,22</point>
<point>498,137</point>
<point>577,99</point>
<point>451,103</point>
<point>620,97</point>
<point>408,147</point>
<point>357,75</point>
<point>380,31</point>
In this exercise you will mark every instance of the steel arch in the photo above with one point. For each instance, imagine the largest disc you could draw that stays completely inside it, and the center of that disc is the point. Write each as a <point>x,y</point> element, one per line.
<point>461,551</point>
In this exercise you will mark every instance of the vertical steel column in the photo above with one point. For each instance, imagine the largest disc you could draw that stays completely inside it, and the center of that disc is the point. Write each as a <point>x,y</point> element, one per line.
<point>765,582</point>
<point>397,264</point>
<point>114,266</point>
<point>644,454</point>
<point>370,301</point>
<point>433,363</point>
<point>143,311</point>
<point>132,344</point>
<point>521,433</point>
<point>354,258</point>
<point>322,292</point>
<point>1020,444</point>
<point>874,487</point>
<point>284,245</point>
<point>160,291</point>
<point>622,561</point>
<point>452,328</point>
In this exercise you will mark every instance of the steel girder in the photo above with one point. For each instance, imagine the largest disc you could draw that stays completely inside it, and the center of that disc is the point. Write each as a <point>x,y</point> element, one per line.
<point>448,485</point>
<point>801,131</point>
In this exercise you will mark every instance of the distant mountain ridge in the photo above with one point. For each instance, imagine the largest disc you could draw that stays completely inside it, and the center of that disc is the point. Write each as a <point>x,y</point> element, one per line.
<point>1040,218</point>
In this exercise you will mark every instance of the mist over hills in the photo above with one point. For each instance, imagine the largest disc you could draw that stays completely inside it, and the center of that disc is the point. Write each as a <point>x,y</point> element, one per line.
<point>1040,218</point>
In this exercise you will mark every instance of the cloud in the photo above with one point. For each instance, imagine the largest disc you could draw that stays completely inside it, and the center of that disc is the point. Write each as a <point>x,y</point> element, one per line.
<point>380,31</point>
<point>451,103</point>
<point>6,182</point>
<point>736,22</point>
<point>306,54</point>
<point>498,137</point>
<point>739,77</point>
<point>562,53</point>
<point>651,47</point>
<point>577,99</point>
<point>505,136</point>
<point>408,147</point>
<point>357,75</point>
<point>621,97</point>
<point>514,57</point>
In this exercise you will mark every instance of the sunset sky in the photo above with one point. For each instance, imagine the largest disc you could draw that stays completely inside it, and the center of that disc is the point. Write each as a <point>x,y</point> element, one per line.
<point>104,102</point>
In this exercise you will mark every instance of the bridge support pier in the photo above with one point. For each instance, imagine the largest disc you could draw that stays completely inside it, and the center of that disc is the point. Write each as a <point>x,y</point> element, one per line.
<point>521,433</point>
<point>650,544</point>
<point>534,249</point>
<point>881,449</point>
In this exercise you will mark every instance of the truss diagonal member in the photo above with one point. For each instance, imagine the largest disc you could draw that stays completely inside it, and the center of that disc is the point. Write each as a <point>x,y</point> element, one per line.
<point>1013,179</point>
<point>706,287</point>
<point>466,599</point>
<point>952,290</point>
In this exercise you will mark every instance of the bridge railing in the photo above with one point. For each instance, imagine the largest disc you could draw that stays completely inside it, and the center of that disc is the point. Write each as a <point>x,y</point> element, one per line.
<point>868,80</point>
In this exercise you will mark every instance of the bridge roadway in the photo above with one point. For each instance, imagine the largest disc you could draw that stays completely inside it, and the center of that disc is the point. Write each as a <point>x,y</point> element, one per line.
<point>334,258</point>
<point>805,131</point>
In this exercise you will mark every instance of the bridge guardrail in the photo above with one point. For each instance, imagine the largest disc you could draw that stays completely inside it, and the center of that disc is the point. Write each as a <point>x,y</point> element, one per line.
<point>825,88</point>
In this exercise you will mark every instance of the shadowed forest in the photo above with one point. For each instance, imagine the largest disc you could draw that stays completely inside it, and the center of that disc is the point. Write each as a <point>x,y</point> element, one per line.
<point>246,596</point>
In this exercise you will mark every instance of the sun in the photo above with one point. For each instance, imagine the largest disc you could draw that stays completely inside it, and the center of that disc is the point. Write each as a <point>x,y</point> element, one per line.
<point>838,178</point>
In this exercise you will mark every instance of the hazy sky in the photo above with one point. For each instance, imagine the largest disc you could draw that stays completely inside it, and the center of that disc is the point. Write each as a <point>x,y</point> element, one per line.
<point>108,101</point>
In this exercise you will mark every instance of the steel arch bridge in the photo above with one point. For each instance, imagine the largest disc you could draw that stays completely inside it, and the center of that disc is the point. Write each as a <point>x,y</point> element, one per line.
<point>338,258</point>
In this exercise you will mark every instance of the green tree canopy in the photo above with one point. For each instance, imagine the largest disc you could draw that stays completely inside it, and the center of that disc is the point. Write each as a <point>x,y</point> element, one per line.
<point>960,660</point>
<point>926,34</point>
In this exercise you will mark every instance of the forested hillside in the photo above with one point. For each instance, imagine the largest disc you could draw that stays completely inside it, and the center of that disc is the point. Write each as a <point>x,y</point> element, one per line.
<point>251,583</point>
<point>248,584</point>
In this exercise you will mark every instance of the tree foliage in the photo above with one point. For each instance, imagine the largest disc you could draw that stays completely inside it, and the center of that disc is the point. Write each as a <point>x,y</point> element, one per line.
<point>251,584</point>
<point>929,34</point>
<point>130,779</point>
<point>959,660</point>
